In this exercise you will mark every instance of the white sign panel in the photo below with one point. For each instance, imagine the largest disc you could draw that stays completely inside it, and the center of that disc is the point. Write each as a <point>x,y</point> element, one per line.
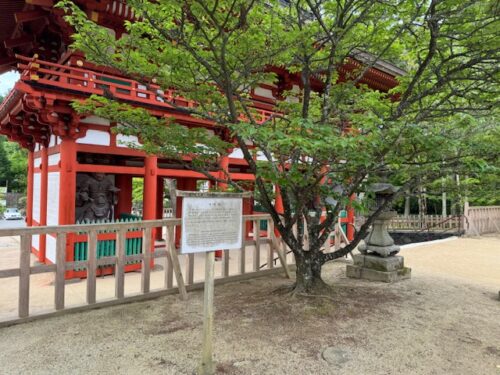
<point>210,224</point>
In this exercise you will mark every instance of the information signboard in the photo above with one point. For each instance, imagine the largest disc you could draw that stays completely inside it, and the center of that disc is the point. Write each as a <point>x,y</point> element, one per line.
<point>211,223</point>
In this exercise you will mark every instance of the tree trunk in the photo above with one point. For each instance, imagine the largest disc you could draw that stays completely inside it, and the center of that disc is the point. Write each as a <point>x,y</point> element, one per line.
<point>308,274</point>
<point>407,204</point>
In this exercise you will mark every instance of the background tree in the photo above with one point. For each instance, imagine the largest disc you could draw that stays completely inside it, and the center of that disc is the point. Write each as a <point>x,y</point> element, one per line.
<point>13,164</point>
<point>323,144</point>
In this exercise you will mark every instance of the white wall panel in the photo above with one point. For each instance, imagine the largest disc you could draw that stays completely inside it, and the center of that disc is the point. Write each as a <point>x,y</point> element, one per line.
<point>35,241</point>
<point>95,137</point>
<point>266,93</point>
<point>53,199</point>
<point>37,179</point>
<point>50,249</point>
<point>54,159</point>
<point>237,154</point>
<point>95,120</point>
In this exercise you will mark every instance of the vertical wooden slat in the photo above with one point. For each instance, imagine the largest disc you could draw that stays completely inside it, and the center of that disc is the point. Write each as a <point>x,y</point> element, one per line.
<point>225,265</point>
<point>91,267</point>
<point>243,247</point>
<point>169,271</point>
<point>146,260</point>
<point>281,253</point>
<point>327,243</point>
<point>207,365</point>
<point>337,236</point>
<point>174,259</point>
<point>190,269</point>
<point>270,254</point>
<point>60,270</point>
<point>256,237</point>
<point>120,263</point>
<point>24,276</point>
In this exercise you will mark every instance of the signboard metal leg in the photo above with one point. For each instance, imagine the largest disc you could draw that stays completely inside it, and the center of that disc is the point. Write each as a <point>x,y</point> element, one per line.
<point>207,365</point>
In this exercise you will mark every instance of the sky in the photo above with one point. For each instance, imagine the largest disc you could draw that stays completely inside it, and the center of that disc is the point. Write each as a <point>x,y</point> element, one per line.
<point>7,81</point>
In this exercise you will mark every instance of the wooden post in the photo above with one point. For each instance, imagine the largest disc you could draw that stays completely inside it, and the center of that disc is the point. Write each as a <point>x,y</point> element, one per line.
<point>190,268</point>
<point>242,249</point>
<point>281,253</point>
<point>256,237</point>
<point>169,270</point>
<point>91,267</point>
<point>146,260</point>
<point>225,265</point>
<point>174,259</point>
<point>60,270</point>
<point>270,254</point>
<point>24,276</point>
<point>207,365</point>
<point>120,264</point>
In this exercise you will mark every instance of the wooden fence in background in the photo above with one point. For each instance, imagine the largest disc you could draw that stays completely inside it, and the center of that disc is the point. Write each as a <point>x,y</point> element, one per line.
<point>482,220</point>
<point>436,223</point>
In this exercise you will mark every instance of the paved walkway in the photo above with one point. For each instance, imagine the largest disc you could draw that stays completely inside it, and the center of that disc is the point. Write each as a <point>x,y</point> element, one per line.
<point>442,321</point>
<point>475,260</point>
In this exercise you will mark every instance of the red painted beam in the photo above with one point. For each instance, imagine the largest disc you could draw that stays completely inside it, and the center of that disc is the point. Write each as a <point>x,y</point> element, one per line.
<point>25,39</point>
<point>29,15</point>
<point>43,3</point>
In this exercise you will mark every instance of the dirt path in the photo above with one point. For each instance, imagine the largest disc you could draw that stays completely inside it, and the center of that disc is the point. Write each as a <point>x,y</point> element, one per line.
<point>445,320</point>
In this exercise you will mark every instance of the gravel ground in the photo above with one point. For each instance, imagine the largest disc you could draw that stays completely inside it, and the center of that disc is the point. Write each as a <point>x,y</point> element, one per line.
<point>445,320</point>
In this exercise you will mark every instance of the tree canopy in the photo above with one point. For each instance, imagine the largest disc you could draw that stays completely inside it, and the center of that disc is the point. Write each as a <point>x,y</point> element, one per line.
<point>332,137</point>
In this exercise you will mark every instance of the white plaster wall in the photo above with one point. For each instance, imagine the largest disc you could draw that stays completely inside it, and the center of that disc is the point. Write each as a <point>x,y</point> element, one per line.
<point>50,249</point>
<point>95,120</point>
<point>35,241</point>
<point>261,156</point>
<point>54,159</point>
<point>123,140</point>
<point>37,179</point>
<point>237,154</point>
<point>53,199</point>
<point>95,137</point>
<point>266,93</point>
<point>37,162</point>
<point>53,141</point>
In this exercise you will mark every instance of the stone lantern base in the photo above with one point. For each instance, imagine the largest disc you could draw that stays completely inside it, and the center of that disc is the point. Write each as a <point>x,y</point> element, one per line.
<point>376,268</point>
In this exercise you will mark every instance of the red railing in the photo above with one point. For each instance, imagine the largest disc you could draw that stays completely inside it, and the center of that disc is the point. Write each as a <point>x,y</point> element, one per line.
<point>88,82</point>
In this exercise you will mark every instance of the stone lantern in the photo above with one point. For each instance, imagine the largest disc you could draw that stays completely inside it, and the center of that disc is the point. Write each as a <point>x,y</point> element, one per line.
<point>378,260</point>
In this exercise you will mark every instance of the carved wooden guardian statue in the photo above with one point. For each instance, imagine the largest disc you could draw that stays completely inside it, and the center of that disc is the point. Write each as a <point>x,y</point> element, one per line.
<point>96,197</point>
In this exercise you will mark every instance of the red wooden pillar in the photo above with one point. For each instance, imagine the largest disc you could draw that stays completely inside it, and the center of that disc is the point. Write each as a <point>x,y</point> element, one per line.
<point>180,185</point>
<point>159,205</point>
<point>67,181</point>
<point>67,192</point>
<point>188,184</point>
<point>248,210</point>
<point>224,166</point>
<point>150,192</point>
<point>278,205</point>
<point>29,192</point>
<point>124,205</point>
<point>150,188</point>
<point>350,219</point>
<point>44,178</point>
